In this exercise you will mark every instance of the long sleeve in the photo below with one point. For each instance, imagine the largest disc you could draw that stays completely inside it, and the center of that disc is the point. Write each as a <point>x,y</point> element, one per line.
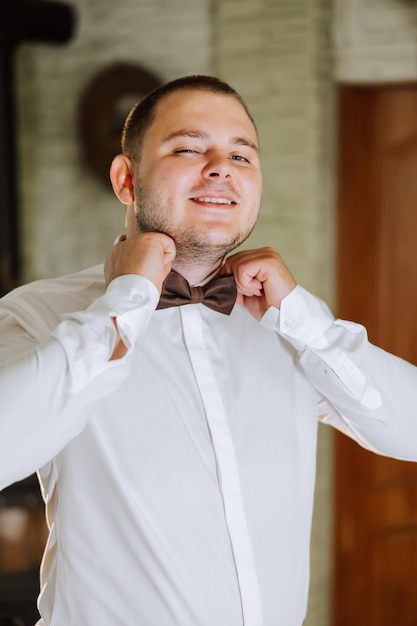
<point>48,388</point>
<point>365,392</point>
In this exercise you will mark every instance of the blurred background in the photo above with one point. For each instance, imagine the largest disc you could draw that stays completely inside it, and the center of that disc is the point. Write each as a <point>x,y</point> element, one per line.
<point>332,86</point>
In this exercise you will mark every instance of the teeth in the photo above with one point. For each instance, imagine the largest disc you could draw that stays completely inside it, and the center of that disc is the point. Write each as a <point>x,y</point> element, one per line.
<point>215,200</point>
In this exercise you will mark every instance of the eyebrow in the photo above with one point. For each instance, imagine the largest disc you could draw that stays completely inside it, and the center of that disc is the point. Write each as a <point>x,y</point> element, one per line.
<point>199,134</point>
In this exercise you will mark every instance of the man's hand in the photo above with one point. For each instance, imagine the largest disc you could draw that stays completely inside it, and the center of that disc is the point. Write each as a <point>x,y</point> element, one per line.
<point>262,279</point>
<point>148,254</point>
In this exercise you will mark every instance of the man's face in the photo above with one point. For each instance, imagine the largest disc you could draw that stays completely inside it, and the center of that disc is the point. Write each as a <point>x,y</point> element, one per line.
<point>198,177</point>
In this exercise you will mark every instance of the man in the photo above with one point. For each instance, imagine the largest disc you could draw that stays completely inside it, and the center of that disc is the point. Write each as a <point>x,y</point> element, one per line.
<point>176,444</point>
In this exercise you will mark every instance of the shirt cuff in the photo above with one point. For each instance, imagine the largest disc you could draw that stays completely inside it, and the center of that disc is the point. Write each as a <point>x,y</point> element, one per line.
<point>88,337</point>
<point>303,319</point>
<point>131,299</point>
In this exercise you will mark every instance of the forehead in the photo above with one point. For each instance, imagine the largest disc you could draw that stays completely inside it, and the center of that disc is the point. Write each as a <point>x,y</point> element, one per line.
<point>212,112</point>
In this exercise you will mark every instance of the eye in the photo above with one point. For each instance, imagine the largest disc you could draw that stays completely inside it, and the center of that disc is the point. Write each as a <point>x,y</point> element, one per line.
<point>185,151</point>
<point>240,158</point>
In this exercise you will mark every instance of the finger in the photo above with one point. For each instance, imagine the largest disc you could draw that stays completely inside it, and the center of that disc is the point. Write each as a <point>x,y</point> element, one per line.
<point>169,248</point>
<point>245,277</point>
<point>249,290</point>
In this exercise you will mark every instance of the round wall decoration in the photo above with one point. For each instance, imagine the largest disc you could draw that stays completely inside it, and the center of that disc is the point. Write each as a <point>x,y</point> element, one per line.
<point>104,106</point>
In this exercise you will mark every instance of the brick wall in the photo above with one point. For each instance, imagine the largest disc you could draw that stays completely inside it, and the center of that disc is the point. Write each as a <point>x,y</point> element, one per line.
<point>277,54</point>
<point>70,219</point>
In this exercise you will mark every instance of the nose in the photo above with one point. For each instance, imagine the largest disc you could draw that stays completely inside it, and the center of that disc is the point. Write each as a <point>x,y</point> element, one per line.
<point>217,166</point>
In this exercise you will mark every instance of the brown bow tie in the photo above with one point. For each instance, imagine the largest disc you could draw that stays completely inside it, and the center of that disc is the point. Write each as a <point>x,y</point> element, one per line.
<point>218,294</point>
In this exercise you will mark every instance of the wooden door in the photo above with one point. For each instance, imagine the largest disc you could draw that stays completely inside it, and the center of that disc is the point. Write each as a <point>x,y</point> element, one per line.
<point>375,574</point>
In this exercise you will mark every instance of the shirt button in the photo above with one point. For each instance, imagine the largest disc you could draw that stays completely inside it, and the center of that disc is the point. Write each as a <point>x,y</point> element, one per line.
<point>138,298</point>
<point>288,325</point>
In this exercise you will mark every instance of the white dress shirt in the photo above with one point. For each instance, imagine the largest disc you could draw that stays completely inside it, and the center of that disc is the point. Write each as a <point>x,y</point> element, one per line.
<point>179,480</point>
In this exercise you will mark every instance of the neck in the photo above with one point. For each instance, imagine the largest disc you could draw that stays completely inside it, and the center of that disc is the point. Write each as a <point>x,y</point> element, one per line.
<point>195,275</point>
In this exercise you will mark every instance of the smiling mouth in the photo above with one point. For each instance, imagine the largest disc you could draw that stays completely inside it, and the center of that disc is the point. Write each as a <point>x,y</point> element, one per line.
<point>209,200</point>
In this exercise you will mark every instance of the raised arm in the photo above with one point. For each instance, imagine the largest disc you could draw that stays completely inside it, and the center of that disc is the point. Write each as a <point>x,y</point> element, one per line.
<point>50,380</point>
<point>364,391</point>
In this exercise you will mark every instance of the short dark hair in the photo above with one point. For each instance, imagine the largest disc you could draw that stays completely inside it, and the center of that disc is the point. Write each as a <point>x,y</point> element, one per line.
<point>143,113</point>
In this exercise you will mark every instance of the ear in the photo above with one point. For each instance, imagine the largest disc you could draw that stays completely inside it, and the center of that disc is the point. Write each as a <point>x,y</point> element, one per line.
<point>121,174</point>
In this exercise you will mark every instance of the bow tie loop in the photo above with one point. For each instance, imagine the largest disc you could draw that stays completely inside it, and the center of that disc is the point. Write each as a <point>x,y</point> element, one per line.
<point>218,294</point>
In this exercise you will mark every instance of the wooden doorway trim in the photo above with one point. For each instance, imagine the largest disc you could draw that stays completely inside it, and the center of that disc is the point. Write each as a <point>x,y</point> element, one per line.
<point>375,570</point>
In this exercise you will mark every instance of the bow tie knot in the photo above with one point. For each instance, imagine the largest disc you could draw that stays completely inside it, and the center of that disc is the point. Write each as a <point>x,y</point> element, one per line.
<point>218,294</point>
<point>197,295</point>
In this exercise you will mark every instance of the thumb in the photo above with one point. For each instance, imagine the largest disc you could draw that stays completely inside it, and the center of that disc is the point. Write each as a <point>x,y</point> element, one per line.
<point>169,252</point>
